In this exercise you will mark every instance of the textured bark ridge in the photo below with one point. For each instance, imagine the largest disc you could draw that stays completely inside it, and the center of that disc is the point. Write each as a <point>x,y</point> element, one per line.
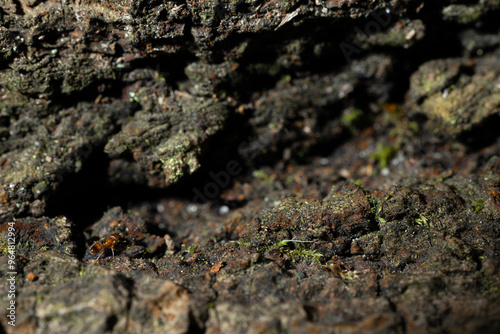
<point>250,166</point>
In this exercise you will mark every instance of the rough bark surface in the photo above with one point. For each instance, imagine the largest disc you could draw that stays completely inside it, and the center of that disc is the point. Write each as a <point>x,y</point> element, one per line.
<point>250,166</point>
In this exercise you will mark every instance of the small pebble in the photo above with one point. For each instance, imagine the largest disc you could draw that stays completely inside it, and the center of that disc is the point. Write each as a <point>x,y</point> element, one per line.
<point>160,208</point>
<point>192,208</point>
<point>223,210</point>
<point>324,161</point>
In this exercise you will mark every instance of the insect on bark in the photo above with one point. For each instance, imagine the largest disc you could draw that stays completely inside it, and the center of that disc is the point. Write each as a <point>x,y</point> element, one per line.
<point>100,246</point>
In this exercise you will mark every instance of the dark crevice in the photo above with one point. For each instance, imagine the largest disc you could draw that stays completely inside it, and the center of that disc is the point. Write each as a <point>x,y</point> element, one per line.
<point>483,135</point>
<point>84,197</point>
<point>19,7</point>
<point>81,197</point>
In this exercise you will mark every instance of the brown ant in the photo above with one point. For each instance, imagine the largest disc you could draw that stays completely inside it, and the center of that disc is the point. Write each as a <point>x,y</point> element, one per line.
<point>100,246</point>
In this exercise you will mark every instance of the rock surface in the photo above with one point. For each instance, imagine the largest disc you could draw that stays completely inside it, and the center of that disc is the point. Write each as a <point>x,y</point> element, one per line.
<point>250,166</point>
